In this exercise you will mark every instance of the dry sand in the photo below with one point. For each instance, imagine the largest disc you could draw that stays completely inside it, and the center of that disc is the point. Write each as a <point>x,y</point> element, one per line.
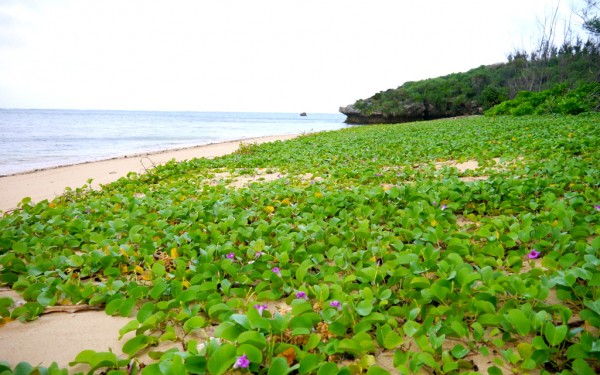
<point>59,337</point>
<point>50,183</point>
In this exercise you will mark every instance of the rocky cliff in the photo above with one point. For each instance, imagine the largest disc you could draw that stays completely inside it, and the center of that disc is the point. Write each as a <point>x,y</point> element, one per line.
<point>355,116</point>
<point>410,112</point>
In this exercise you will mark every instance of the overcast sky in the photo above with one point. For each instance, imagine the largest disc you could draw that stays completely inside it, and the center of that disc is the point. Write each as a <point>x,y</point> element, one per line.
<point>242,55</point>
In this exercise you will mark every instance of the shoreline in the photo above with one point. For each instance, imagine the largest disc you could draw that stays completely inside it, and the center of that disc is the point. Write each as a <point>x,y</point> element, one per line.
<point>150,153</point>
<point>49,183</point>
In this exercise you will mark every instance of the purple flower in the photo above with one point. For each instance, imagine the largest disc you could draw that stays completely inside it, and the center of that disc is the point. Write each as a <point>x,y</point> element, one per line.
<point>301,295</point>
<point>434,203</point>
<point>335,304</point>
<point>443,207</point>
<point>260,308</point>
<point>242,362</point>
<point>230,255</point>
<point>597,207</point>
<point>533,254</point>
<point>277,271</point>
<point>258,254</point>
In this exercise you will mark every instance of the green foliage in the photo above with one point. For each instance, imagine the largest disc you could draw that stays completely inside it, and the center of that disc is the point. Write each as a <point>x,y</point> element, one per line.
<point>571,68</point>
<point>362,243</point>
<point>558,100</point>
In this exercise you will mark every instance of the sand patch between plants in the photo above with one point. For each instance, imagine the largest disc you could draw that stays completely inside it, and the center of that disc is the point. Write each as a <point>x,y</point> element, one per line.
<point>472,166</point>
<point>245,177</point>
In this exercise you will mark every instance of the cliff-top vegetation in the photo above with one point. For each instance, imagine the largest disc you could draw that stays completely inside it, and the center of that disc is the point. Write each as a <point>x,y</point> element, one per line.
<point>569,66</point>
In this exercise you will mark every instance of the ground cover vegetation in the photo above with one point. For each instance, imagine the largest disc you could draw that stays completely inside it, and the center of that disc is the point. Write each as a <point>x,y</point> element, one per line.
<point>453,246</point>
<point>572,65</point>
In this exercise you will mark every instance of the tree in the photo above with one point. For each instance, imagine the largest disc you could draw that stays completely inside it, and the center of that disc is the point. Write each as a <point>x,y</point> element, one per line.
<point>589,13</point>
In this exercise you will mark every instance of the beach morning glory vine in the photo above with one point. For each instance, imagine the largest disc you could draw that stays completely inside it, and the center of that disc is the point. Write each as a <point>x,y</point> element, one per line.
<point>301,295</point>
<point>260,308</point>
<point>242,362</point>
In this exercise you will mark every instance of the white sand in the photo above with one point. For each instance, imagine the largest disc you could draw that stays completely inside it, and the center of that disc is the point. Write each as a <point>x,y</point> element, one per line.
<point>50,183</point>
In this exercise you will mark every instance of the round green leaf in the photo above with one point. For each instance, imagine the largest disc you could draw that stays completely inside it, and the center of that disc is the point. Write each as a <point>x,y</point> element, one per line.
<point>459,351</point>
<point>194,323</point>
<point>253,338</point>
<point>222,359</point>
<point>279,366</point>
<point>252,352</point>
<point>364,308</point>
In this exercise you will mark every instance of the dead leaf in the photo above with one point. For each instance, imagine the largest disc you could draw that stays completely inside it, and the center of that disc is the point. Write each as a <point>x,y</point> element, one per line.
<point>289,354</point>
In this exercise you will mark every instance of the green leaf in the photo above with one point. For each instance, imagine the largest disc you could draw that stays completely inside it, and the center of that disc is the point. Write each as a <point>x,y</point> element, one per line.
<point>132,325</point>
<point>593,305</point>
<point>428,360</point>
<point>222,359</point>
<point>158,269</point>
<point>278,366</point>
<point>519,320</point>
<point>242,320</point>
<point>252,352</point>
<point>392,340</point>
<point>195,364</point>
<point>253,338</point>
<point>158,289</point>
<point>459,351</point>
<point>95,360</point>
<point>411,327</point>
<point>134,345</point>
<point>113,306</point>
<point>419,282</point>
<point>194,323</point>
<point>216,310</point>
<point>126,307</point>
<point>308,364</point>
<point>406,258</point>
<point>301,322</point>
<point>328,368</point>
<point>228,331</point>
<point>555,335</point>
<point>23,368</point>
<point>376,370</point>
<point>313,342</point>
<point>257,321</point>
<point>364,308</point>
<point>581,367</point>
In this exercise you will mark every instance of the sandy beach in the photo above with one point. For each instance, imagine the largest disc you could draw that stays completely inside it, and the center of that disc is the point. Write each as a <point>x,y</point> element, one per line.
<point>60,336</point>
<point>50,183</point>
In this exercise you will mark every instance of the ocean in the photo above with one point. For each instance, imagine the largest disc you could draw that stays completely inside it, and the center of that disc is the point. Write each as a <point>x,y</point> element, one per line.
<point>38,139</point>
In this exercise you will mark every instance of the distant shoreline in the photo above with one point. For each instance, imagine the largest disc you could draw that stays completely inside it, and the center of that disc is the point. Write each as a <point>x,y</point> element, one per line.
<point>143,154</point>
<point>35,140</point>
<point>48,183</point>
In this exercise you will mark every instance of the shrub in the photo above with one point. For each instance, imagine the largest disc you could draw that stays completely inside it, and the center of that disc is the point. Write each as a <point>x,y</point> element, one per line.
<point>558,100</point>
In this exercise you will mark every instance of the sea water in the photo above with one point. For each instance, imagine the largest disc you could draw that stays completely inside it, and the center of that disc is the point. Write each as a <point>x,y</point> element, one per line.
<point>37,139</point>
